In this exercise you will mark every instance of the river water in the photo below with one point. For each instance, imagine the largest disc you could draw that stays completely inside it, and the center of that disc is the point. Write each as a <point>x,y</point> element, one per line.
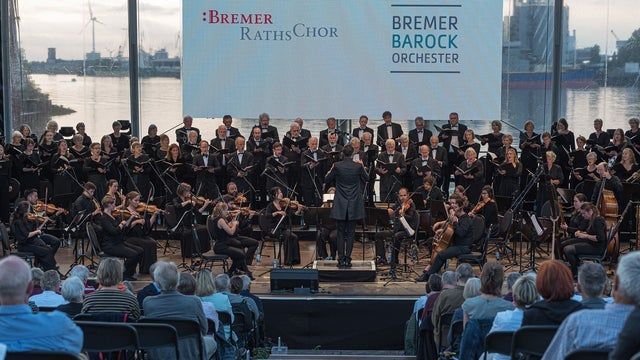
<point>99,101</point>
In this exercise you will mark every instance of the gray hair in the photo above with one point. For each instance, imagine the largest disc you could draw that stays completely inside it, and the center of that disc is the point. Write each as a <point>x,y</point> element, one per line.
<point>464,272</point>
<point>166,275</point>
<point>37,274</point>
<point>14,279</point>
<point>109,272</point>
<point>449,278</point>
<point>81,272</point>
<point>511,278</point>
<point>525,292</point>
<point>51,280</point>
<point>471,288</point>
<point>246,282</point>
<point>73,289</point>
<point>592,279</point>
<point>222,283</point>
<point>628,273</point>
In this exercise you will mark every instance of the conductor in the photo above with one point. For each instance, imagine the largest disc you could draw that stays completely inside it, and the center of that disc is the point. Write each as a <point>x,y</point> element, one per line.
<point>348,203</point>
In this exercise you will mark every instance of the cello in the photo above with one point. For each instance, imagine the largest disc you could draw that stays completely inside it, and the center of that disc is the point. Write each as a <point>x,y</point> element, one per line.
<point>442,240</point>
<point>608,207</point>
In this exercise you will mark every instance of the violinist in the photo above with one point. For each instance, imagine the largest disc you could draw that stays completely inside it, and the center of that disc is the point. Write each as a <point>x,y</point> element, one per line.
<point>186,206</point>
<point>593,239</point>
<point>38,208</point>
<point>462,235</point>
<point>244,215</point>
<point>206,166</point>
<point>228,243</point>
<point>280,213</point>
<point>112,239</point>
<point>139,230</point>
<point>403,207</point>
<point>96,170</point>
<point>30,237</point>
<point>87,202</point>
<point>61,167</point>
<point>510,172</point>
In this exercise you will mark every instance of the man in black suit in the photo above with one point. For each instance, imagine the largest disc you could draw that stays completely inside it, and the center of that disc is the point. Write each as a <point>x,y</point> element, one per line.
<point>448,138</point>
<point>222,146</point>
<point>206,166</point>
<point>269,133</point>
<point>183,132</point>
<point>363,128</point>
<point>417,167</point>
<point>388,130</point>
<point>348,204</point>
<point>303,132</point>
<point>390,179</point>
<point>419,135</point>
<point>237,168</point>
<point>313,171</point>
<point>231,131</point>
<point>331,128</point>
<point>371,154</point>
<point>439,154</point>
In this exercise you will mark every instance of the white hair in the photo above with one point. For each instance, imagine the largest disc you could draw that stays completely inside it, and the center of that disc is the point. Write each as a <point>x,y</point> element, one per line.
<point>628,273</point>
<point>81,272</point>
<point>166,275</point>
<point>73,289</point>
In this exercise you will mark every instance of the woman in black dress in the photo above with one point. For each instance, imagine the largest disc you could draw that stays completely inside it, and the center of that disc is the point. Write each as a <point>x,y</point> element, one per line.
<point>139,230</point>
<point>510,173</point>
<point>552,175</point>
<point>32,239</point>
<point>471,175</point>
<point>30,166</point>
<point>139,168</point>
<point>565,141</point>
<point>224,230</point>
<point>62,170</point>
<point>280,213</point>
<point>95,169</point>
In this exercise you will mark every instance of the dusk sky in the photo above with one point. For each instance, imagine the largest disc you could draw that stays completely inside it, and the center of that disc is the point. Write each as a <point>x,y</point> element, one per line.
<point>59,24</point>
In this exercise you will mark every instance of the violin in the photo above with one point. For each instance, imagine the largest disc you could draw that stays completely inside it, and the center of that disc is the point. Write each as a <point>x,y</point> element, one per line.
<point>479,206</point>
<point>49,208</point>
<point>124,213</point>
<point>405,206</point>
<point>199,200</point>
<point>241,199</point>
<point>244,211</point>
<point>34,217</point>
<point>152,209</point>
<point>293,204</point>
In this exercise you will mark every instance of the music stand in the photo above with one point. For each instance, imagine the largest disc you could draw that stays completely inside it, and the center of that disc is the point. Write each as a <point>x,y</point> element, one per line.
<point>418,201</point>
<point>378,217</point>
<point>438,210</point>
<point>537,231</point>
<point>319,216</point>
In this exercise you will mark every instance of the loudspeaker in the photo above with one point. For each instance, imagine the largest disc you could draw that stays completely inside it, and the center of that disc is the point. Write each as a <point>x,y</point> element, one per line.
<point>290,279</point>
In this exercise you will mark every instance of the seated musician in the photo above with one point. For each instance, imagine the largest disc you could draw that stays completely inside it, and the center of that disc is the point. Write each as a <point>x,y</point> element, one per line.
<point>328,234</point>
<point>593,240</point>
<point>31,238</point>
<point>430,192</point>
<point>244,216</point>
<point>280,213</point>
<point>577,222</point>
<point>140,229</point>
<point>186,205</point>
<point>225,243</point>
<point>611,182</point>
<point>113,188</point>
<point>399,233</point>
<point>86,202</point>
<point>462,236</point>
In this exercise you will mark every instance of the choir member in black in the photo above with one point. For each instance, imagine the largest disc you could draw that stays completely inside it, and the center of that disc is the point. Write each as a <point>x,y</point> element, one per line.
<point>619,142</point>
<point>25,130</point>
<point>627,169</point>
<point>461,239</point>
<point>438,153</point>
<point>112,238</point>
<point>206,166</point>
<point>577,222</point>
<point>62,171</point>
<point>109,152</point>
<point>333,149</point>
<point>173,167</point>
<point>331,128</point>
<point>5,174</point>
<point>151,141</point>
<point>277,175</point>
<point>594,238</point>
<point>395,237</point>
<point>52,126</point>
<point>232,132</point>
<point>226,242</point>
<point>410,152</point>
<point>450,137</point>
<point>493,139</point>
<point>490,208</point>
<point>28,163</point>
<point>241,169</point>
<point>547,145</point>
<point>598,138</point>
<point>80,129</point>
<point>430,191</point>
<point>78,149</point>
<point>363,128</point>
<point>16,146</point>
<point>269,132</point>
<point>577,159</point>
<point>470,174</point>
<point>469,142</point>
<point>587,175</point>
<point>552,175</point>
<point>182,134</point>
<point>420,136</point>
<point>280,212</point>
<point>358,156</point>
<point>163,147</point>
<point>120,141</point>
<point>388,130</point>
<point>260,150</point>
<point>303,132</point>
<point>191,147</point>
<point>139,230</point>
<point>390,179</point>
<point>185,205</point>
<point>565,141</point>
<point>611,182</point>
<point>633,135</point>
<point>139,169</point>
<point>222,145</point>
<point>371,149</point>
<point>328,235</point>
<point>113,190</point>
<point>294,153</point>
<point>422,166</point>
<point>32,239</point>
<point>46,149</point>
<point>313,171</point>
<point>86,203</point>
<point>529,145</point>
<point>510,172</point>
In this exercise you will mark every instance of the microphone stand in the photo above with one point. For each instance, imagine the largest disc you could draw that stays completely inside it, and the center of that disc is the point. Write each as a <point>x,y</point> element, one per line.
<point>276,180</point>
<point>126,170</point>
<point>164,183</point>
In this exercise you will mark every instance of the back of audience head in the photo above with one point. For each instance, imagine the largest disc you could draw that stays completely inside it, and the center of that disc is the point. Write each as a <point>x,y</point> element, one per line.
<point>627,287</point>
<point>204,283</point>
<point>186,284</point>
<point>235,284</point>
<point>81,272</point>
<point>37,274</point>
<point>464,272</point>
<point>554,281</point>
<point>15,281</point>
<point>511,279</point>
<point>222,283</point>
<point>246,282</point>
<point>73,290</point>
<point>471,288</point>
<point>491,278</point>
<point>166,275</point>
<point>525,292</point>
<point>109,272</point>
<point>152,268</point>
<point>51,281</point>
<point>449,279</point>
<point>592,279</point>
<point>434,283</point>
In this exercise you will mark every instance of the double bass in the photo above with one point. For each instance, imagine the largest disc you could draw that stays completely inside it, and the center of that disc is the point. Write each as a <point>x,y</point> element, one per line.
<point>608,207</point>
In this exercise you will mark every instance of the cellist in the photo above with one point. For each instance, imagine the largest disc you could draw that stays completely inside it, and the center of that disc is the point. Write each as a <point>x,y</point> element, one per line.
<point>462,237</point>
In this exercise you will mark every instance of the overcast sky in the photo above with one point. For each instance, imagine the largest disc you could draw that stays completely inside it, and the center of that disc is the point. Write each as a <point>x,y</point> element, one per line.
<point>59,24</point>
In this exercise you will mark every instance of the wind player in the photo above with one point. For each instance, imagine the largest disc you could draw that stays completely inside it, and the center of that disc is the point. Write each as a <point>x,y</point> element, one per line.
<point>461,239</point>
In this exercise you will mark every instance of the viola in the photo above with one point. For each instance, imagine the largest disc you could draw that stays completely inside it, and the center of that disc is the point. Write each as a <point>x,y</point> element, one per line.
<point>406,206</point>
<point>293,204</point>
<point>152,209</point>
<point>34,217</point>
<point>199,200</point>
<point>48,208</point>
<point>479,206</point>
<point>241,199</point>
<point>124,213</point>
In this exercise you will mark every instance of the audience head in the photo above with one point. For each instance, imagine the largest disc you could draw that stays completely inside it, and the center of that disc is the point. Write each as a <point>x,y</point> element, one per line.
<point>36,275</point>
<point>472,288</point>
<point>51,281</point>
<point>246,282</point>
<point>464,272</point>
<point>186,284</point>
<point>81,272</point>
<point>434,283</point>
<point>73,290</point>
<point>626,287</point>
<point>591,280</point>
<point>222,283</point>
<point>449,279</point>
<point>15,281</point>
<point>511,279</point>
<point>166,275</point>
<point>492,277</point>
<point>554,281</point>
<point>524,292</point>
<point>109,272</point>
<point>235,284</point>
<point>204,283</point>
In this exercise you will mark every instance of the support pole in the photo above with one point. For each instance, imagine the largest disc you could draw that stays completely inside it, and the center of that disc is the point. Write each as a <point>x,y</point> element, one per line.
<point>134,71</point>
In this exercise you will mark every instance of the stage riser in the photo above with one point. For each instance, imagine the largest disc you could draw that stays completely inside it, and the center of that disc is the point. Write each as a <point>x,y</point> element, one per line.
<point>337,323</point>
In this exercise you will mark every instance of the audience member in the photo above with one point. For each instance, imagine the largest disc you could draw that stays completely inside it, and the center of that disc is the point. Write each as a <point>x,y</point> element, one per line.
<point>37,274</point>
<point>471,290</point>
<point>22,329</point>
<point>592,279</point>
<point>150,290</point>
<point>511,279</point>
<point>450,299</point>
<point>206,291</point>
<point>187,286</point>
<point>600,328</point>
<point>50,286</point>
<point>235,287</point>
<point>628,342</point>
<point>112,296</point>
<point>73,292</point>
<point>489,302</point>
<point>82,273</point>
<point>555,284</point>
<point>433,285</point>
<point>246,291</point>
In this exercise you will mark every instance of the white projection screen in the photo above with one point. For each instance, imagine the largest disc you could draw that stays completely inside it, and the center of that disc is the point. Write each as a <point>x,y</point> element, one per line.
<point>342,58</point>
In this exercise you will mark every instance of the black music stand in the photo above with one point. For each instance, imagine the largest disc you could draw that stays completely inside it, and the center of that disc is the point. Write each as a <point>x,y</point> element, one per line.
<point>418,201</point>
<point>438,211</point>
<point>378,217</point>
<point>320,216</point>
<point>537,231</point>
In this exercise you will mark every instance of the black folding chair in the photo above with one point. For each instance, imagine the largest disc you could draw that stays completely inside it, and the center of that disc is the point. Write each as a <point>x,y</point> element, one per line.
<point>498,342</point>
<point>108,336</point>
<point>532,341</point>
<point>188,330</point>
<point>154,336</point>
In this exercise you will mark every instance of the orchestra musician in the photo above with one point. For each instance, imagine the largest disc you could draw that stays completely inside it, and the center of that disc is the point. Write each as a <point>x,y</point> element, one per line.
<point>577,222</point>
<point>229,243</point>
<point>450,139</point>
<point>280,211</point>
<point>363,128</point>
<point>86,202</point>
<point>206,166</point>
<point>30,237</point>
<point>462,235</point>
<point>611,182</point>
<point>388,130</point>
<point>389,182</point>
<point>470,174</point>
<point>594,238</point>
<point>430,191</point>
<point>182,134</point>
<point>489,209</point>
<point>186,205</point>
<point>403,208</point>
<point>139,230</point>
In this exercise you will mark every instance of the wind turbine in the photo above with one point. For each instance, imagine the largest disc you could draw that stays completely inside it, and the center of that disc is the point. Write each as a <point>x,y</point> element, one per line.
<point>93,20</point>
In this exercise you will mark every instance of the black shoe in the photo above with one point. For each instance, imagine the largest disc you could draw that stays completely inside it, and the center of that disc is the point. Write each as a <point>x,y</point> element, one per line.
<point>304,227</point>
<point>423,278</point>
<point>347,262</point>
<point>341,263</point>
